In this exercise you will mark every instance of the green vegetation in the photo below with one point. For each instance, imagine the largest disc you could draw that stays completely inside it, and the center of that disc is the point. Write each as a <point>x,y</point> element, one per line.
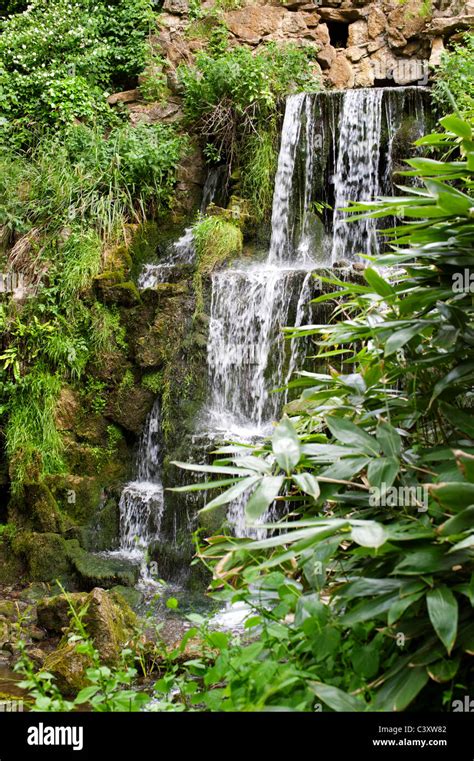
<point>455,78</point>
<point>108,686</point>
<point>362,596</point>
<point>59,59</point>
<point>216,239</point>
<point>66,202</point>
<point>232,96</point>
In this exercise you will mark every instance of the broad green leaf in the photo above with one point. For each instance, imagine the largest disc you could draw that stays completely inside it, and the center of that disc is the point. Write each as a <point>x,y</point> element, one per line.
<point>443,670</point>
<point>380,286</point>
<point>389,438</point>
<point>345,468</point>
<point>263,496</point>
<point>458,523</point>
<point>455,495</point>
<point>368,534</point>
<point>368,609</point>
<point>443,612</point>
<point>449,198</point>
<point>400,606</point>
<point>230,494</point>
<point>457,125</point>
<point>398,339</point>
<point>365,660</point>
<point>224,469</point>
<point>367,587</point>
<point>424,560</point>
<point>204,485</point>
<point>86,694</point>
<point>382,471</point>
<point>308,484</point>
<point>468,542</point>
<point>399,691</point>
<point>286,445</point>
<point>336,698</point>
<point>349,433</point>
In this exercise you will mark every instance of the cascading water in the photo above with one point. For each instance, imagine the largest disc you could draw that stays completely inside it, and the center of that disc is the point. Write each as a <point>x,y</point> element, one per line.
<point>335,147</point>
<point>247,355</point>
<point>141,503</point>
<point>357,171</point>
<point>181,252</point>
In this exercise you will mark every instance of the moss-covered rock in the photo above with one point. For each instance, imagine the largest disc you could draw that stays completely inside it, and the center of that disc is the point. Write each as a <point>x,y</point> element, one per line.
<point>12,567</point>
<point>68,668</point>
<point>36,509</point>
<point>54,613</point>
<point>44,555</point>
<point>109,622</point>
<point>78,496</point>
<point>124,293</point>
<point>93,570</point>
<point>130,407</point>
<point>132,596</point>
<point>103,532</point>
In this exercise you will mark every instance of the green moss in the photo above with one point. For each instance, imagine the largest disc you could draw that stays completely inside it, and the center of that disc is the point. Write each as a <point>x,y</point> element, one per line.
<point>133,597</point>
<point>44,555</point>
<point>36,509</point>
<point>78,496</point>
<point>93,571</point>
<point>103,531</point>
<point>124,293</point>
<point>144,245</point>
<point>12,568</point>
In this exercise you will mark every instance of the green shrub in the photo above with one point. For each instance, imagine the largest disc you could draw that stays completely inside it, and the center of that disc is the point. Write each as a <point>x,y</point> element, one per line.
<point>259,163</point>
<point>455,78</point>
<point>58,59</point>
<point>232,92</point>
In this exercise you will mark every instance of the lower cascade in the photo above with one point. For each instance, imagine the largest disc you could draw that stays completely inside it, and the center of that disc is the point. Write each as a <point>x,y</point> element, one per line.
<point>142,502</point>
<point>335,148</point>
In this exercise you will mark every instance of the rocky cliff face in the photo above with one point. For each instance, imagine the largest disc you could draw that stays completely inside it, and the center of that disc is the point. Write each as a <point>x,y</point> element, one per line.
<point>358,44</point>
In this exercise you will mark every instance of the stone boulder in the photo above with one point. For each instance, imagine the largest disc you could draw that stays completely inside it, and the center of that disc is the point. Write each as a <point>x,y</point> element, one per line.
<point>341,74</point>
<point>250,25</point>
<point>110,623</point>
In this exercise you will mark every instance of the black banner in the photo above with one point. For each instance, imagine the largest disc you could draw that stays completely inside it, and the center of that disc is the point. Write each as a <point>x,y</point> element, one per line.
<point>133,736</point>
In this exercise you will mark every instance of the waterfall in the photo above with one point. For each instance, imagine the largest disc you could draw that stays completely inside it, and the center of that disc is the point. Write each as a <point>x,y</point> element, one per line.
<point>181,252</point>
<point>280,244</point>
<point>141,503</point>
<point>247,354</point>
<point>335,147</point>
<point>357,171</point>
